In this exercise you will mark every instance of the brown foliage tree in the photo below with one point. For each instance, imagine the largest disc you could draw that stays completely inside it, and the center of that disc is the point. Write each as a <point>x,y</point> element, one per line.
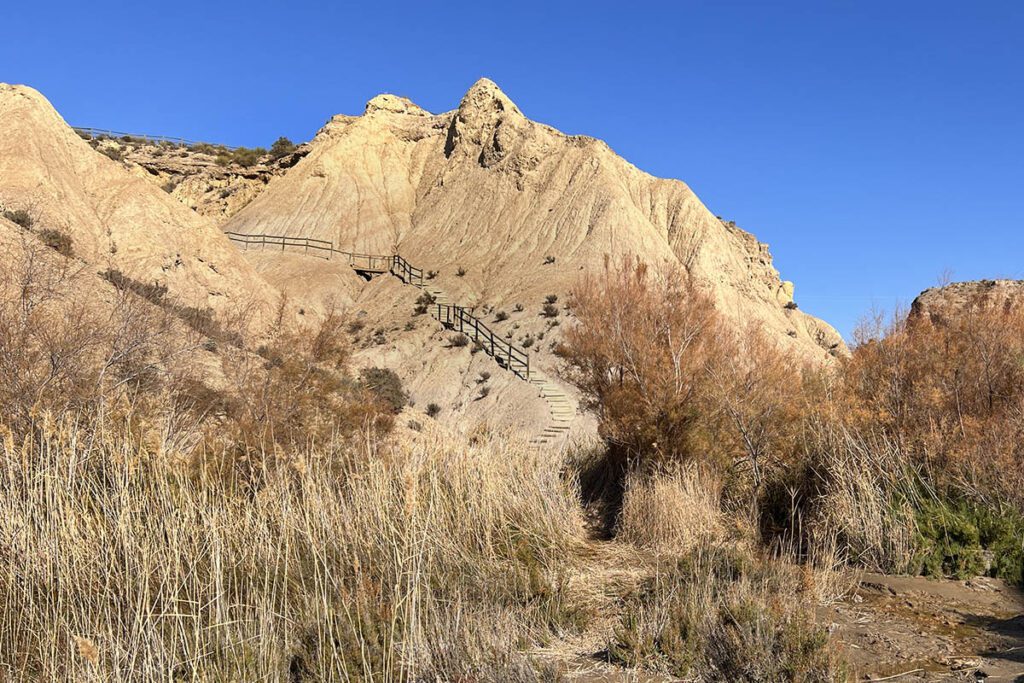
<point>640,353</point>
<point>949,392</point>
<point>672,382</point>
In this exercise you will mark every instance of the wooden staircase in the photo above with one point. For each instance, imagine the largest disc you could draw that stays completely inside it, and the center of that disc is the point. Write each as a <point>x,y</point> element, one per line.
<point>561,408</point>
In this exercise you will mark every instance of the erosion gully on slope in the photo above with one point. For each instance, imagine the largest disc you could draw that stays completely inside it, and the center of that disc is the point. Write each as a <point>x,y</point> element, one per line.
<point>561,408</point>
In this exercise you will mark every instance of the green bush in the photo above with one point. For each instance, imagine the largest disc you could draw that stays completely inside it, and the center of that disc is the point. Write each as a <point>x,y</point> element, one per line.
<point>423,303</point>
<point>113,153</point>
<point>207,148</point>
<point>245,156</point>
<point>963,540</point>
<point>281,147</point>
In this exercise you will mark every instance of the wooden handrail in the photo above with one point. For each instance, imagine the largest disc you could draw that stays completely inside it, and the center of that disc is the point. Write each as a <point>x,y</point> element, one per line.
<point>451,316</point>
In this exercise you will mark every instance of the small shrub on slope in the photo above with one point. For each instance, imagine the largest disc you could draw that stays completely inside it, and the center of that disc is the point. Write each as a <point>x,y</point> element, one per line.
<point>58,241</point>
<point>387,385</point>
<point>19,217</point>
<point>281,147</point>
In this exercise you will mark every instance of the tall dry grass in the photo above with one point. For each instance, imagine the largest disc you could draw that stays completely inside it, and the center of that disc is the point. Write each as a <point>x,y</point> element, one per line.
<point>671,512</point>
<point>867,497</point>
<point>419,560</point>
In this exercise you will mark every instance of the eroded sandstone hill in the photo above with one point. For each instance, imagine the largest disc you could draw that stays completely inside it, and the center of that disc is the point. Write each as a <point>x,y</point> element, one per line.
<point>113,219</point>
<point>516,207</point>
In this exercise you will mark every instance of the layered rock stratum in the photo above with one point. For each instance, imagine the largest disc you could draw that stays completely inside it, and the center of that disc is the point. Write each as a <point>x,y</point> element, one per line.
<point>200,178</point>
<point>507,210</point>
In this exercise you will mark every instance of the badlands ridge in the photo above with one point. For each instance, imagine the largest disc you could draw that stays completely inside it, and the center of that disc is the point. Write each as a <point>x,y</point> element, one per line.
<point>505,211</point>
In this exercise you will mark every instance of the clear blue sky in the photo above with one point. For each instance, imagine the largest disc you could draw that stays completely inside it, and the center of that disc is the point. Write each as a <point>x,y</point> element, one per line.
<point>874,145</point>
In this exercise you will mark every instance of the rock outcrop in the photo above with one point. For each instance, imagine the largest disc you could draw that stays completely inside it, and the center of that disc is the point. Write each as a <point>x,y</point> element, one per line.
<point>940,303</point>
<point>202,179</point>
<point>508,210</point>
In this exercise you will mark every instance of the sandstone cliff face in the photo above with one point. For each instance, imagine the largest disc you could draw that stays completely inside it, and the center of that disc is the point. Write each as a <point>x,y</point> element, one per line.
<point>518,206</point>
<point>958,298</point>
<point>115,219</point>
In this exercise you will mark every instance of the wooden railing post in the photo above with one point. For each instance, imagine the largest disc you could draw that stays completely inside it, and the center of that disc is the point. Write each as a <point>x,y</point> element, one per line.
<point>504,352</point>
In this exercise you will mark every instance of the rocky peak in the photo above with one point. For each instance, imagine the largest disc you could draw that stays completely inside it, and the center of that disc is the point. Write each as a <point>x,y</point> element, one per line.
<point>486,99</point>
<point>393,104</point>
<point>486,125</point>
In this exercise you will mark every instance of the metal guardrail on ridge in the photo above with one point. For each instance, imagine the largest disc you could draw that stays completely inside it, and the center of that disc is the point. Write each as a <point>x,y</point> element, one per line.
<point>452,316</point>
<point>101,133</point>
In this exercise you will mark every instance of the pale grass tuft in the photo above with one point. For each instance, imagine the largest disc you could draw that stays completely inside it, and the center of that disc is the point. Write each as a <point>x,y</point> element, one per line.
<point>87,650</point>
<point>671,512</point>
<point>722,614</point>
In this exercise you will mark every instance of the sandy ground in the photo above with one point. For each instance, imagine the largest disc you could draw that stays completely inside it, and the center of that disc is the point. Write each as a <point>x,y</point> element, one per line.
<point>932,630</point>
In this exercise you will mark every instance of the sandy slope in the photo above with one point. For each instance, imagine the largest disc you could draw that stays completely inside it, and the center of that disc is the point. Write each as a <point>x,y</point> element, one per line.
<point>486,189</point>
<point>116,220</point>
